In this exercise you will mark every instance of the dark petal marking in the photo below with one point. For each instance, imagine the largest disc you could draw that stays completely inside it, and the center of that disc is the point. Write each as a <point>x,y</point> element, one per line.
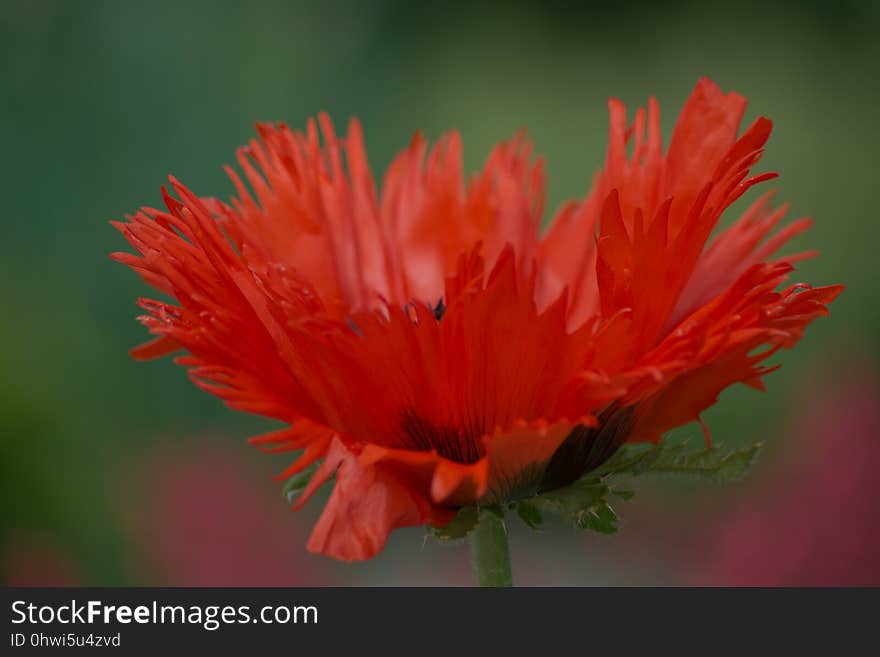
<point>449,442</point>
<point>586,448</point>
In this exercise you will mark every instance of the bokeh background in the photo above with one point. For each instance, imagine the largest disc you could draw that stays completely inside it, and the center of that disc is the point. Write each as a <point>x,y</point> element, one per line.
<point>114,472</point>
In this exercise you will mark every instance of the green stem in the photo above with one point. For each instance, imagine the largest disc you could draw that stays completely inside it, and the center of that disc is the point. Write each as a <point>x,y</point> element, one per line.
<point>490,552</point>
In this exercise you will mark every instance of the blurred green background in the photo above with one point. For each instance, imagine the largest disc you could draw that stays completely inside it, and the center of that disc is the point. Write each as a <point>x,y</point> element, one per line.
<point>114,472</point>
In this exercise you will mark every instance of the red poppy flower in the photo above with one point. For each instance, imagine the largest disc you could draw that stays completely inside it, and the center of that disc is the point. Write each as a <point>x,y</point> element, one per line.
<point>432,347</point>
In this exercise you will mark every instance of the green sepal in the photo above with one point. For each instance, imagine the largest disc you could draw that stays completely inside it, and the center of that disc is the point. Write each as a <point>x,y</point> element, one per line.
<point>582,494</point>
<point>463,524</point>
<point>713,463</point>
<point>623,494</point>
<point>495,509</point>
<point>295,485</point>
<point>584,504</point>
<point>600,518</point>
<point>529,514</point>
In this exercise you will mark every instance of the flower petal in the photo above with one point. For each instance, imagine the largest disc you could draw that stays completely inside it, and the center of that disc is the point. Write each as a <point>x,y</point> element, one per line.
<point>366,504</point>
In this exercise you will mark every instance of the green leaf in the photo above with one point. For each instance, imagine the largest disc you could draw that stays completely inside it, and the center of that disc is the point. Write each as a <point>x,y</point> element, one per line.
<point>298,482</point>
<point>462,525</point>
<point>529,514</point>
<point>711,463</point>
<point>669,458</point>
<point>497,510</point>
<point>569,501</point>
<point>600,518</point>
<point>623,493</point>
<point>583,503</point>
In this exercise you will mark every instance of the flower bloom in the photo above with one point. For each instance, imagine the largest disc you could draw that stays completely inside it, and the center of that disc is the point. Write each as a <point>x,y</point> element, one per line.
<point>431,347</point>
